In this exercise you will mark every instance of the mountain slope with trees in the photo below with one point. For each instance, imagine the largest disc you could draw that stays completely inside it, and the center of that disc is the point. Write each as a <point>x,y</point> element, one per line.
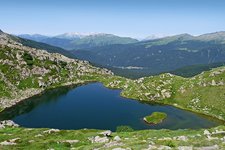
<point>159,55</point>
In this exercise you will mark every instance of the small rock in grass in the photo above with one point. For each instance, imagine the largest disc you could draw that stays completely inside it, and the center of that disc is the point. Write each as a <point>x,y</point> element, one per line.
<point>31,141</point>
<point>113,143</point>
<point>71,141</point>
<point>165,138</point>
<point>185,148</point>
<point>2,126</point>
<point>117,138</point>
<point>213,147</point>
<point>51,131</point>
<point>206,132</point>
<point>38,135</point>
<point>182,138</point>
<point>150,147</point>
<point>98,139</point>
<point>119,148</point>
<point>7,143</point>
<point>162,147</point>
<point>10,142</point>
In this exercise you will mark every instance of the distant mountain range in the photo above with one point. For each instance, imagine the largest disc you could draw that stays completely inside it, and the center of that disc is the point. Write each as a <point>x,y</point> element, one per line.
<point>39,45</point>
<point>159,55</point>
<point>34,37</point>
<point>141,58</point>
<point>74,41</point>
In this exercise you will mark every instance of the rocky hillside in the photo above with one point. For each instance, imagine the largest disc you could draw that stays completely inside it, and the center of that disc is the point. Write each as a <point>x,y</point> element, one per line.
<point>26,71</point>
<point>203,93</point>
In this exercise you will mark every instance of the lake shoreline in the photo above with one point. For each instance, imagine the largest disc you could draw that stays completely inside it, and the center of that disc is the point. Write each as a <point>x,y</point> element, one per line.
<point>80,83</point>
<point>69,100</point>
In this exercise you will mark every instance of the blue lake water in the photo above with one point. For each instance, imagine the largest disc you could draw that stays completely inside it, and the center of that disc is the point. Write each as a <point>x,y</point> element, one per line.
<point>97,107</point>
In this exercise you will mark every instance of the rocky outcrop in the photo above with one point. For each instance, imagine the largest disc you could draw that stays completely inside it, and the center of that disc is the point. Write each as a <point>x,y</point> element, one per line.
<point>8,123</point>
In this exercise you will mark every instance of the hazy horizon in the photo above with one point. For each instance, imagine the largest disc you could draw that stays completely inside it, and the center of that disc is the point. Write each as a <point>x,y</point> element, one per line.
<point>128,18</point>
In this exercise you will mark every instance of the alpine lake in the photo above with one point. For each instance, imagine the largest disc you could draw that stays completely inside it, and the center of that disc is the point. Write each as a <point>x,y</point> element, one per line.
<point>94,106</point>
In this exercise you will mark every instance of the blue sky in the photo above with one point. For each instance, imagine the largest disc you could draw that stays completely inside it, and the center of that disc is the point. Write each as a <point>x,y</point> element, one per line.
<point>136,18</point>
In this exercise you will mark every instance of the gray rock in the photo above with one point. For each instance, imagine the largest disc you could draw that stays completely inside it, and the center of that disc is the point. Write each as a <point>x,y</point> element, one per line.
<point>185,148</point>
<point>213,147</point>
<point>151,147</point>
<point>206,132</point>
<point>113,143</point>
<point>51,131</point>
<point>182,138</point>
<point>10,142</point>
<point>8,123</point>
<point>71,141</point>
<point>119,148</point>
<point>162,147</point>
<point>7,143</point>
<point>117,138</point>
<point>98,139</point>
<point>213,83</point>
<point>106,133</point>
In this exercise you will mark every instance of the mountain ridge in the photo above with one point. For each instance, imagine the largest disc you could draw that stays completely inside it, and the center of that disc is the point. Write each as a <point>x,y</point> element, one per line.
<point>159,55</point>
<point>72,41</point>
<point>34,44</point>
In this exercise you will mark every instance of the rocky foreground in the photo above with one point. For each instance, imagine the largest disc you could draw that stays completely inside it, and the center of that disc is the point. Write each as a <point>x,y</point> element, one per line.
<point>13,137</point>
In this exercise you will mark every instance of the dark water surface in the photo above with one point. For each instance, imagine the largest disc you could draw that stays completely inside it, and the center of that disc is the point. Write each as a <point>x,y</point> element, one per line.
<point>94,106</point>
